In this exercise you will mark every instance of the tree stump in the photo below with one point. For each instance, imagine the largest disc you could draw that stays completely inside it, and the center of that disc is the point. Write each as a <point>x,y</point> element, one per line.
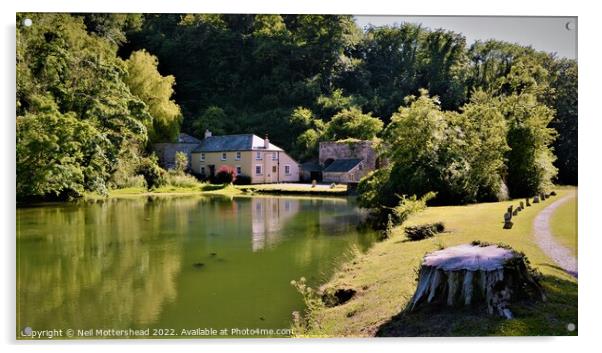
<point>527,202</point>
<point>553,193</point>
<point>536,199</point>
<point>522,205</point>
<point>515,212</point>
<point>508,220</point>
<point>472,274</point>
<point>510,209</point>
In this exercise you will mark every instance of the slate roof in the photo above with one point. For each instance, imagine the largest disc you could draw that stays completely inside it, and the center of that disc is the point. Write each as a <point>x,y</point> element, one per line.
<point>311,167</point>
<point>185,138</point>
<point>342,165</point>
<point>246,142</point>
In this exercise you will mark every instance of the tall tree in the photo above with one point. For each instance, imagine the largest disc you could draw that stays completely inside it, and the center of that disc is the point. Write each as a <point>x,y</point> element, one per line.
<point>155,90</point>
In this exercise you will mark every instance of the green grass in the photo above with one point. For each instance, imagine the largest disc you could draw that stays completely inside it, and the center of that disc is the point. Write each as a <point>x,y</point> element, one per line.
<point>200,188</point>
<point>564,224</point>
<point>385,279</point>
<point>339,189</point>
<point>225,190</point>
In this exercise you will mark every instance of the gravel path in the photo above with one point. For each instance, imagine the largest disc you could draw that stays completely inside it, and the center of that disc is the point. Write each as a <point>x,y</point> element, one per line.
<point>544,238</point>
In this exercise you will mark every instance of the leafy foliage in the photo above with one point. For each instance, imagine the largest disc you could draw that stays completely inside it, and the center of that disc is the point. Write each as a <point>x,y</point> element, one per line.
<point>352,123</point>
<point>152,173</point>
<point>181,160</point>
<point>77,121</point>
<point>486,125</point>
<point>225,175</point>
<point>146,82</point>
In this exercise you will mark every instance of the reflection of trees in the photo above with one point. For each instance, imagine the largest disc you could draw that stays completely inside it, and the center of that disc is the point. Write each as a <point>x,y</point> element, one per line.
<point>102,260</point>
<point>119,263</point>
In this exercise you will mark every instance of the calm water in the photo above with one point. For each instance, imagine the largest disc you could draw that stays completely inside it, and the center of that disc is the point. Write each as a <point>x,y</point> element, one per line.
<point>177,262</point>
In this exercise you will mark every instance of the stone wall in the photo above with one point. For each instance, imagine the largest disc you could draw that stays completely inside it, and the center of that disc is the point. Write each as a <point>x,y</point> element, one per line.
<point>346,150</point>
<point>166,152</point>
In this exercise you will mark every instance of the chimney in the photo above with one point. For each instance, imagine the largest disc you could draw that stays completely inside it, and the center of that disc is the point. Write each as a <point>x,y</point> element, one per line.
<point>207,133</point>
<point>266,142</point>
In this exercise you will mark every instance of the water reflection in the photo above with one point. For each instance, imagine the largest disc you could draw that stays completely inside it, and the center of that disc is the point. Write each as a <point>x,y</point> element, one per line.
<point>176,262</point>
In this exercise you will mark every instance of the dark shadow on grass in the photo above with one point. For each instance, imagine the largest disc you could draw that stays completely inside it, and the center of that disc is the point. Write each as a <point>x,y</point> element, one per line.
<point>213,187</point>
<point>549,318</point>
<point>408,240</point>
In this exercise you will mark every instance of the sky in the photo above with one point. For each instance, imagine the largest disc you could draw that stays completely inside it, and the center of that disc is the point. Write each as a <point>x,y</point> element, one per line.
<point>551,34</point>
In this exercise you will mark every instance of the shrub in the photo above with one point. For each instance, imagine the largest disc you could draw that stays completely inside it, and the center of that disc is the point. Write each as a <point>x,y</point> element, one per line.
<point>136,181</point>
<point>242,180</point>
<point>388,231</point>
<point>424,231</point>
<point>181,161</point>
<point>178,179</point>
<point>225,175</point>
<point>313,302</point>
<point>410,205</point>
<point>400,213</point>
<point>153,175</point>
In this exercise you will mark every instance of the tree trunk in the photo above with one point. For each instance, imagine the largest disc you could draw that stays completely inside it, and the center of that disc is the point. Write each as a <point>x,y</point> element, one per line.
<point>475,273</point>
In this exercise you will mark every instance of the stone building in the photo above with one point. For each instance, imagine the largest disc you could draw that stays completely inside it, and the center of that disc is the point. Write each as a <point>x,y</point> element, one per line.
<point>166,152</point>
<point>342,161</point>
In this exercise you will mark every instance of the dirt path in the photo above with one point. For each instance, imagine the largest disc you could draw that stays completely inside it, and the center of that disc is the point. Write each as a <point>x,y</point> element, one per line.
<point>561,255</point>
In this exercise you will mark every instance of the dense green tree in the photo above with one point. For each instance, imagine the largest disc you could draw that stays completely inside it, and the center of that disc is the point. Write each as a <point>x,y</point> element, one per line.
<point>530,159</point>
<point>565,104</point>
<point>460,156</point>
<point>71,92</point>
<point>213,119</point>
<point>59,155</point>
<point>484,131</point>
<point>309,130</point>
<point>155,90</point>
<point>352,123</point>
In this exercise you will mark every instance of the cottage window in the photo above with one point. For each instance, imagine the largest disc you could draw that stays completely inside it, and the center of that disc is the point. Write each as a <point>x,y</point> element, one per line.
<point>274,156</point>
<point>274,169</point>
<point>202,157</point>
<point>258,156</point>
<point>287,169</point>
<point>258,169</point>
<point>224,156</point>
<point>238,170</point>
<point>202,170</point>
<point>238,156</point>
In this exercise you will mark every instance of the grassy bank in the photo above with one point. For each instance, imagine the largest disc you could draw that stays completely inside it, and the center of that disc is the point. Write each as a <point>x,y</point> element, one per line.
<point>201,188</point>
<point>228,190</point>
<point>295,189</point>
<point>385,279</point>
<point>564,224</point>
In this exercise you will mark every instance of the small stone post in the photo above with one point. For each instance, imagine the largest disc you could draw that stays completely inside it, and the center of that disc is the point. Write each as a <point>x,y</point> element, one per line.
<point>508,220</point>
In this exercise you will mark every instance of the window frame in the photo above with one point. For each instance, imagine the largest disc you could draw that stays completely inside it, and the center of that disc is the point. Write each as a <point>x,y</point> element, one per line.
<point>237,157</point>
<point>258,156</point>
<point>202,157</point>
<point>287,166</point>
<point>224,156</point>
<point>260,169</point>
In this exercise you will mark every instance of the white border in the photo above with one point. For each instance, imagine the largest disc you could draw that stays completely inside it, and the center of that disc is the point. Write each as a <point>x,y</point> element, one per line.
<point>589,196</point>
